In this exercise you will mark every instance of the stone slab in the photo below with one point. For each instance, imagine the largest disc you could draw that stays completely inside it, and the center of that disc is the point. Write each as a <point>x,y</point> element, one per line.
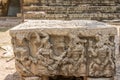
<point>62,24</point>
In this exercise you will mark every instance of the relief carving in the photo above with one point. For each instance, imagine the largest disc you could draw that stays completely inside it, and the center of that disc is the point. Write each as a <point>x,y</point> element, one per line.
<point>69,55</point>
<point>74,62</point>
<point>101,56</point>
<point>22,56</point>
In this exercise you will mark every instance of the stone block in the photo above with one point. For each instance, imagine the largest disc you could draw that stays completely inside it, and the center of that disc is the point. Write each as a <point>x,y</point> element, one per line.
<point>67,48</point>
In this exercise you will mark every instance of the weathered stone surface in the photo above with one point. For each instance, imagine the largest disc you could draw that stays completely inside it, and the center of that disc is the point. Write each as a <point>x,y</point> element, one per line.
<point>100,79</point>
<point>117,60</point>
<point>93,9</point>
<point>72,9</point>
<point>68,48</point>
<point>32,78</point>
<point>69,2</point>
<point>117,77</point>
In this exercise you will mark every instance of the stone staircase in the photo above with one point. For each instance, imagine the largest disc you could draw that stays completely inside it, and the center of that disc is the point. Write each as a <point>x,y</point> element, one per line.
<point>74,9</point>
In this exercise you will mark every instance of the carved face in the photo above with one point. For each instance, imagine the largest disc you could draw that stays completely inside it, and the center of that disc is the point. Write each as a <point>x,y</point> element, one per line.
<point>103,52</point>
<point>21,53</point>
<point>75,55</point>
<point>77,50</point>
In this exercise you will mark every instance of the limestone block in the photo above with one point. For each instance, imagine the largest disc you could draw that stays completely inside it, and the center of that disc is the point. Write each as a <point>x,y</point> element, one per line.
<point>67,48</point>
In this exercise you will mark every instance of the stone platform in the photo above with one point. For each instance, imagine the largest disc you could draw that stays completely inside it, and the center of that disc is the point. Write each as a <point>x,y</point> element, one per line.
<point>45,49</point>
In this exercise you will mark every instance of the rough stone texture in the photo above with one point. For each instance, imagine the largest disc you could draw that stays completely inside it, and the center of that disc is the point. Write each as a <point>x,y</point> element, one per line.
<point>100,79</point>
<point>117,61</point>
<point>117,77</point>
<point>72,9</point>
<point>63,9</point>
<point>67,48</point>
<point>32,78</point>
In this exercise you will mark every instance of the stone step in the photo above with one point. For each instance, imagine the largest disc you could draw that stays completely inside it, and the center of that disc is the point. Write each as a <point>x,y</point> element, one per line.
<point>67,2</point>
<point>75,9</point>
<point>93,16</point>
<point>30,2</point>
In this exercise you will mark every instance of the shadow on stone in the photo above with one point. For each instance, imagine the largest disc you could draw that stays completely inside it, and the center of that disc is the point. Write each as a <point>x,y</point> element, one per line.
<point>13,76</point>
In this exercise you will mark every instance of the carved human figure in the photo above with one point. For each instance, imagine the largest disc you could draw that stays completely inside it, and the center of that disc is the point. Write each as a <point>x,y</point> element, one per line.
<point>37,40</point>
<point>58,53</point>
<point>101,57</point>
<point>74,62</point>
<point>45,55</point>
<point>22,55</point>
<point>40,42</point>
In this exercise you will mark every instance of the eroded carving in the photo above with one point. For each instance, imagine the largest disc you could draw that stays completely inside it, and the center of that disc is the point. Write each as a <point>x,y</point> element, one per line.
<point>22,56</point>
<point>101,61</point>
<point>74,62</point>
<point>41,53</point>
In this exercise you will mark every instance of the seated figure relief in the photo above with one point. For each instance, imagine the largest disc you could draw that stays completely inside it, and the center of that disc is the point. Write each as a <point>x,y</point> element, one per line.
<point>101,57</point>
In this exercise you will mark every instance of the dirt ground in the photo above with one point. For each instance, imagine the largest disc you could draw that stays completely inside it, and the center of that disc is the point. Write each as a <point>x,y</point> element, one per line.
<point>7,69</point>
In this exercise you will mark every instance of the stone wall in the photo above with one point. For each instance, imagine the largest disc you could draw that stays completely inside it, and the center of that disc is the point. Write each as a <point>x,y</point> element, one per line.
<point>72,9</point>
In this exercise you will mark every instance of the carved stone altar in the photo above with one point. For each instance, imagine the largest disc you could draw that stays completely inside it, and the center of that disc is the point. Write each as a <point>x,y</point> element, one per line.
<point>77,48</point>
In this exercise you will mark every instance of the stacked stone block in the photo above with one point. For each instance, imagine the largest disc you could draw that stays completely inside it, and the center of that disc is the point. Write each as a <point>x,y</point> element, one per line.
<point>72,9</point>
